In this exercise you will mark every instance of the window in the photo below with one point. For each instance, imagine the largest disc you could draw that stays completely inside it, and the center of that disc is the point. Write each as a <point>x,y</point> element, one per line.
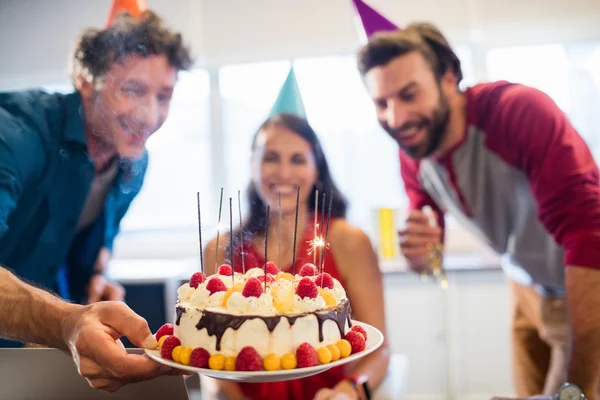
<point>179,162</point>
<point>542,67</point>
<point>569,74</point>
<point>584,76</point>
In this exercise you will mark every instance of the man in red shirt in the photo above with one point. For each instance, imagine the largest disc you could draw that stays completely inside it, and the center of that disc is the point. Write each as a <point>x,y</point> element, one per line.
<point>504,160</point>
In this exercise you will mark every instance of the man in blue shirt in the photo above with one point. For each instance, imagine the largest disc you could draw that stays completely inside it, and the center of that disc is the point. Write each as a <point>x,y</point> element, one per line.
<point>70,165</point>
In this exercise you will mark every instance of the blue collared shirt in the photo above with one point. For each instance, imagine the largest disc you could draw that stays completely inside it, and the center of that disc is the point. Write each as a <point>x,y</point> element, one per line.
<point>45,175</point>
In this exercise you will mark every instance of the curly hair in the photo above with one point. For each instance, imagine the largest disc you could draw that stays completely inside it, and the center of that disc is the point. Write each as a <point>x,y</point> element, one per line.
<point>422,37</point>
<point>97,50</point>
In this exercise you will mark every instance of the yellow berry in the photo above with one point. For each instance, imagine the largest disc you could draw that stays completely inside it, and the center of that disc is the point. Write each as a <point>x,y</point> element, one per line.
<point>328,297</point>
<point>272,362</point>
<point>161,340</point>
<point>216,362</point>
<point>345,347</point>
<point>175,353</point>
<point>184,355</point>
<point>335,352</point>
<point>284,275</point>
<point>324,355</point>
<point>230,364</point>
<point>288,361</point>
<point>283,303</point>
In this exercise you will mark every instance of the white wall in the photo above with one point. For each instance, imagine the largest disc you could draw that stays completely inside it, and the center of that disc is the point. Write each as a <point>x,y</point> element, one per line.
<point>36,36</point>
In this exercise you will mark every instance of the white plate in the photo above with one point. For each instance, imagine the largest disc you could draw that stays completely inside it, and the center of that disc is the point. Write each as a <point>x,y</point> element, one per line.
<point>374,340</point>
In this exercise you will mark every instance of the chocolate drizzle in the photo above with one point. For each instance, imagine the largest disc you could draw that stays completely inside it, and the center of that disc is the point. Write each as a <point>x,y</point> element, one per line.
<point>217,323</point>
<point>179,311</point>
<point>338,314</point>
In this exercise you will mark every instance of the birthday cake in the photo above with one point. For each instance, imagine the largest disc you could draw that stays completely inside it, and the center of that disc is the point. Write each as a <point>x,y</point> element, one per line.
<point>263,319</point>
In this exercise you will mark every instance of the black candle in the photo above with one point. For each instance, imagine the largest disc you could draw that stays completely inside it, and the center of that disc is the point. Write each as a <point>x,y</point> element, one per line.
<point>321,231</point>
<point>200,233</point>
<point>231,242</point>
<point>327,229</point>
<point>295,232</point>
<point>218,231</point>
<point>266,237</point>
<point>241,234</point>
<point>280,230</point>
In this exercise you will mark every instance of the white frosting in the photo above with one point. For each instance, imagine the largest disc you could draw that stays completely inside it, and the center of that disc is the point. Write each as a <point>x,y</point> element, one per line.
<point>200,297</point>
<point>215,301</point>
<point>240,305</point>
<point>307,304</point>
<point>184,292</point>
<point>281,285</point>
<point>338,291</point>
<point>255,272</point>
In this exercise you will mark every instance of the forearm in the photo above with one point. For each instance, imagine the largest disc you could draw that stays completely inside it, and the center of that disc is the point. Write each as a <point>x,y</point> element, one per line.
<point>228,390</point>
<point>374,366</point>
<point>102,261</point>
<point>30,314</point>
<point>583,302</point>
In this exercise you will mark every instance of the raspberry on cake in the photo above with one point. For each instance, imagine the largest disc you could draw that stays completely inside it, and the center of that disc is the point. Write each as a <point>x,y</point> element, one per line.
<point>252,288</point>
<point>225,269</point>
<point>215,285</point>
<point>308,269</point>
<point>197,279</point>
<point>166,329</point>
<point>169,343</point>
<point>272,268</point>
<point>357,341</point>
<point>248,360</point>
<point>324,281</point>
<point>360,329</point>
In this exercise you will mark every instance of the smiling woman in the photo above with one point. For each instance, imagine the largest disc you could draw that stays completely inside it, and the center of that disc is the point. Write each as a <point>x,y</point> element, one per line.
<point>287,159</point>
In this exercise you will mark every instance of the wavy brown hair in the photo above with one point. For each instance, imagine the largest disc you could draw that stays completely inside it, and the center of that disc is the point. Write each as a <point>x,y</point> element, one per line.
<point>423,37</point>
<point>98,49</point>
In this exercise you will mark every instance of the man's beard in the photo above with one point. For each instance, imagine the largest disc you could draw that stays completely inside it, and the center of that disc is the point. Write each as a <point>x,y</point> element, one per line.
<point>435,128</point>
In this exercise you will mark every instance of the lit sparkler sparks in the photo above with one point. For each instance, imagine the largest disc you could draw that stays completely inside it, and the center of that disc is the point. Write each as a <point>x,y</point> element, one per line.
<point>316,244</point>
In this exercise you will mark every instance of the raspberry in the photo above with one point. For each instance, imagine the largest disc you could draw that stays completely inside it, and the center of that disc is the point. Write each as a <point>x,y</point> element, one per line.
<point>308,269</point>
<point>272,268</point>
<point>306,356</point>
<point>252,288</point>
<point>225,269</point>
<point>360,329</point>
<point>357,341</point>
<point>215,285</point>
<point>199,358</point>
<point>248,359</point>
<point>197,279</point>
<point>307,288</point>
<point>166,329</point>
<point>324,280</point>
<point>261,278</point>
<point>166,350</point>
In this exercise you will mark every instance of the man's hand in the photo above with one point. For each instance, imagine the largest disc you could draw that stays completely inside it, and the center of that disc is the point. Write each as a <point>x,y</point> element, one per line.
<point>92,335</point>
<point>416,238</point>
<point>101,289</point>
